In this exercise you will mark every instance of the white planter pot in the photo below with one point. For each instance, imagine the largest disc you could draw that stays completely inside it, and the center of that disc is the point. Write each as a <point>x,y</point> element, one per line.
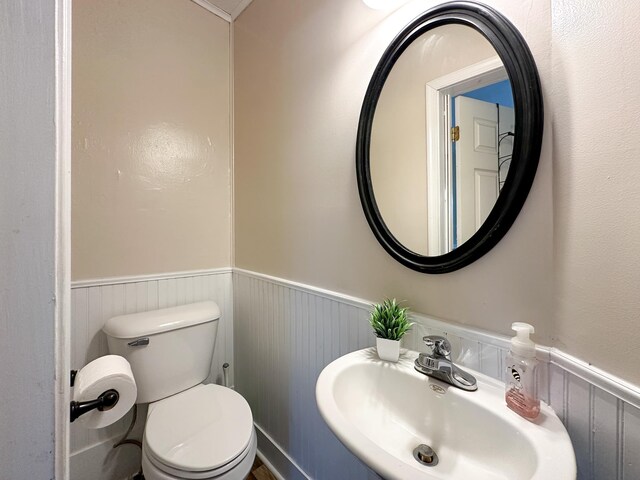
<point>388,350</point>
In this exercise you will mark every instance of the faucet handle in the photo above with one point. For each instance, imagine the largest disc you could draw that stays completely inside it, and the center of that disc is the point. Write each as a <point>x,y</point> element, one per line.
<point>439,345</point>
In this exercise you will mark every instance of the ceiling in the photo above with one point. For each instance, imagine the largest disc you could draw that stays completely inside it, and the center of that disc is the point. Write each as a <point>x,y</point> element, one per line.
<point>228,9</point>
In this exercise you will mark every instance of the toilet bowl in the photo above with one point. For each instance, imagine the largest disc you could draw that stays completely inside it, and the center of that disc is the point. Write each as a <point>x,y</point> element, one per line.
<point>193,430</point>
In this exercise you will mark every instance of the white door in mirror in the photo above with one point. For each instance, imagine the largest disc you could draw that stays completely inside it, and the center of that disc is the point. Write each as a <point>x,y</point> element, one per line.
<point>476,164</point>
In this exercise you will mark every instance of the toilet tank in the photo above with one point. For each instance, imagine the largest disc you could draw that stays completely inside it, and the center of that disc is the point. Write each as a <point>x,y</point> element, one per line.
<point>169,350</point>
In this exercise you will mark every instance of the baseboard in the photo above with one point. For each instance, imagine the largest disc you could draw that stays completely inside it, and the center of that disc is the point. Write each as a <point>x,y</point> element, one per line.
<point>265,461</point>
<point>276,459</point>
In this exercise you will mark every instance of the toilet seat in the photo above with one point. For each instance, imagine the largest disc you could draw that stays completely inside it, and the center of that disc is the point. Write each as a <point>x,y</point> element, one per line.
<point>200,433</point>
<point>237,470</point>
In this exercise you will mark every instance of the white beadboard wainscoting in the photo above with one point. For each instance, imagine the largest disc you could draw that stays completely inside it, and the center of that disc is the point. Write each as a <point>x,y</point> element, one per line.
<point>93,303</point>
<point>286,333</point>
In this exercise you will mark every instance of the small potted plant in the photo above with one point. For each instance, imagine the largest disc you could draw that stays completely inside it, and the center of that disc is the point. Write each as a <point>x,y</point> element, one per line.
<point>390,322</point>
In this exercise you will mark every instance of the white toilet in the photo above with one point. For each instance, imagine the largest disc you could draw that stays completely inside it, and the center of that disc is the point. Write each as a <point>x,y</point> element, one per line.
<point>193,431</point>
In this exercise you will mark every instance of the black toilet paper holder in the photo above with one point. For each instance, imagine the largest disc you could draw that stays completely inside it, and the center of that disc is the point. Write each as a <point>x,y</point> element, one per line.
<point>106,401</point>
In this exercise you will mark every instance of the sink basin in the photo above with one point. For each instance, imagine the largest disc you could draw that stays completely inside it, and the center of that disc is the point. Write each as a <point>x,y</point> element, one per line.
<point>382,411</point>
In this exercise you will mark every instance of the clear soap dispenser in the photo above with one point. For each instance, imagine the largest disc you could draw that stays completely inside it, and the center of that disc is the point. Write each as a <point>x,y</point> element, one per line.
<point>521,386</point>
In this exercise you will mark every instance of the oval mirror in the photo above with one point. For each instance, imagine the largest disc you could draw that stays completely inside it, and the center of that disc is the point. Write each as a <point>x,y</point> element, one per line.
<point>449,137</point>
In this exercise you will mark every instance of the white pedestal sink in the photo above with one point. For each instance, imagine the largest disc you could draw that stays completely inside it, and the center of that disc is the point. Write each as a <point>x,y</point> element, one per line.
<point>382,411</point>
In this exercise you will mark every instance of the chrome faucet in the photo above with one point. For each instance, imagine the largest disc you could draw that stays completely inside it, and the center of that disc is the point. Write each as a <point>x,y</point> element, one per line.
<point>437,364</point>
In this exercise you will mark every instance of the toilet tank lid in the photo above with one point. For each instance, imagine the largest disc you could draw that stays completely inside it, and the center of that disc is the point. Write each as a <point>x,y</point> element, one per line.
<point>157,321</point>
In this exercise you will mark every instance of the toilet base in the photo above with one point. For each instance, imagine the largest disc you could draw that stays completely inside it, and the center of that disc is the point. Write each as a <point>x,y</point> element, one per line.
<point>239,472</point>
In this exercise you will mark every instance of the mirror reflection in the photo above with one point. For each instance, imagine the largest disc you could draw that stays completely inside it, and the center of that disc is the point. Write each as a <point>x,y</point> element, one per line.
<point>441,140</point>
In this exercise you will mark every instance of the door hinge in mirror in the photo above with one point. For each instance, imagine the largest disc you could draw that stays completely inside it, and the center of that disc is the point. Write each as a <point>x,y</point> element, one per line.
<point>455,133</point>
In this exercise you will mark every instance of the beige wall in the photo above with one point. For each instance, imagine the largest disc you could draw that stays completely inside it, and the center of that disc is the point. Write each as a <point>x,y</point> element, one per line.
<point>596,100</point>
<point>151,164</point>
<point>398,133</point>
<point>570,264</point>
<point>301,72</point>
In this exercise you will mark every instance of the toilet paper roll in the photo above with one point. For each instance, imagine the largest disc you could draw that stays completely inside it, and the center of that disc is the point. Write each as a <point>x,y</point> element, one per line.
<point>105,373</point>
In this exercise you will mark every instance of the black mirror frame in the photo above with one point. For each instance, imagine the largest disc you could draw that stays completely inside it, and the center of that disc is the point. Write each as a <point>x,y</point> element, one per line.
<point>523,75</point>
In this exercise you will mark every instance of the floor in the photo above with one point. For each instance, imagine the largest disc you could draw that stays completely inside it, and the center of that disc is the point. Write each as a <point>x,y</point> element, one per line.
<point>259,471</point>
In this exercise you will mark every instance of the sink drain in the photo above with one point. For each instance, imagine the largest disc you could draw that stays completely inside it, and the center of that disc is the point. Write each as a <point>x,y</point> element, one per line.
<point>425,455</point>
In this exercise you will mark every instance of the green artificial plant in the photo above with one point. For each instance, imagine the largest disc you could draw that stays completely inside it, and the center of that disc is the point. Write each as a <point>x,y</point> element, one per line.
<point>389,320</point>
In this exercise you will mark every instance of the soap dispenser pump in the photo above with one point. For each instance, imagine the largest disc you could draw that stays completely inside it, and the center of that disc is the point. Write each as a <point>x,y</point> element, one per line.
<point>521,386</point>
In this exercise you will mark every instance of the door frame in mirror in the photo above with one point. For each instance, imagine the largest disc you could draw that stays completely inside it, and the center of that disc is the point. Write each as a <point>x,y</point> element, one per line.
<point>439,92</point>
<point>518,62</point>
